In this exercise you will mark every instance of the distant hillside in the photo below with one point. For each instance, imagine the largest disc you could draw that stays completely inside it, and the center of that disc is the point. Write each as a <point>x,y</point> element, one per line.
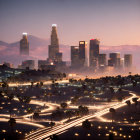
<point>3,43</point>
<point>38,50</point>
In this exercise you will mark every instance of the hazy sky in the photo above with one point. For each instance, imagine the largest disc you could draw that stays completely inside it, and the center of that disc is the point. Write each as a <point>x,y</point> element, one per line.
<point>114,22</point>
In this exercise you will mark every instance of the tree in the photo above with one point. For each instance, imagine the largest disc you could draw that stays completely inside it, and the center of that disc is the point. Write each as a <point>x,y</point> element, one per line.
<point>112,110</point>
<point>77,113</point>
<point>41,84</point>
<point>36,115</point>
<point>69,114</point>
<point>111,90</point>
<point>4,85</point>
<point>83,110</point>
<point>54,137</point>
<point>128,103</point>
<point>135,100</point>
<point>32,83</point>
<point>86,124</point>
<point>64,105</point>
<point>134,83</point>
<point>12,123</point>
<point>52,124</point>
<point>64,75</point>
<point>29,110</point>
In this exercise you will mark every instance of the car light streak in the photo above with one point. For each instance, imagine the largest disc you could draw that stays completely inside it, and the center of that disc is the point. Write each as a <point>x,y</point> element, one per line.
<point>45,133</point>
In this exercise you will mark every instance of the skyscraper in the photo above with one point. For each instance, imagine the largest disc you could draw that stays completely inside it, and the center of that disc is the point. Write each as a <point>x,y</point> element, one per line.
<point>24,45</point>
<point>83,53</point>
<point>74,56</point>
<point>93,53</point>
<point>102,60</point>
<point>54,47</point>
<point>114,59</point>
<point>128,60</point>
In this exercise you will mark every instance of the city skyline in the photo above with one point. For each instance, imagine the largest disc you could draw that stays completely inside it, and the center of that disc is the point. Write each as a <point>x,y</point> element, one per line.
<point>113,22</point>
<point>69,69</point>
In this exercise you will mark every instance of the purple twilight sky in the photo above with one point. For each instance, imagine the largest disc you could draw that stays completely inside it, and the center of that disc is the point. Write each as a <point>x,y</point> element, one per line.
<point>114,22</point>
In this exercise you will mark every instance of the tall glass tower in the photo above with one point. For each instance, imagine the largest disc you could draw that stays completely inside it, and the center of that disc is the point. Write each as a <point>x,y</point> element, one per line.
<point>54,47</point>
<point>24,45</point>
<point>93,53</point>
<point>83,53</point>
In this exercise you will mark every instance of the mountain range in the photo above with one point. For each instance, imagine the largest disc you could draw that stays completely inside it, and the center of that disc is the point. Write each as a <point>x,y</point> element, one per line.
<point>9,52</point>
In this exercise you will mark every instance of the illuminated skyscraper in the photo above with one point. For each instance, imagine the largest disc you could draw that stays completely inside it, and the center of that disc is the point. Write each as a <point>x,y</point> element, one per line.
<point>83,53</point>
<point>94,53</point>
<point>128,60</point>
<point>74,56</point>
<point>24,45</point>
<point>54,47</point>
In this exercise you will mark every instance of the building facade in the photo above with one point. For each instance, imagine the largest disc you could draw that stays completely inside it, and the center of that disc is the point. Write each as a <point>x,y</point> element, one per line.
<point>114,59</point>
<point>83,61</point>
<point>102,60</point>
<point>128,60</point>
<point>74,56</point>
<point>54,47</point>
<point>93,53</point>
<point>28,64</point>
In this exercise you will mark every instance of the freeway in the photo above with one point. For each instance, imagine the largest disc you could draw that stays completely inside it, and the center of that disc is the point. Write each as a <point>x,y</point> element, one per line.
<point>45,133</point>
<point>29,83</point>
<point>25,118</point>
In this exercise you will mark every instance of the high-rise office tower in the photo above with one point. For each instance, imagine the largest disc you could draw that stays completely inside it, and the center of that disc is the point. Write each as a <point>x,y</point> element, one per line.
<point>102,60</point>
<point>74,56</point>
<point>83,53</point>
<point>128,60</point>
<point>114,59</point>
<point>54,47</point>
<point>93,53</point>
<point>24,45</point>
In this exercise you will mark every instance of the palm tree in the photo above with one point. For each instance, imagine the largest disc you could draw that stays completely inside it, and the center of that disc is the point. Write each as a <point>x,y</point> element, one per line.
<point>112,110</point>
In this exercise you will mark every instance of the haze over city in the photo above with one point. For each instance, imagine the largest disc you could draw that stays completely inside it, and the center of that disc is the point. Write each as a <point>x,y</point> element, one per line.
<point>69,69</point>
